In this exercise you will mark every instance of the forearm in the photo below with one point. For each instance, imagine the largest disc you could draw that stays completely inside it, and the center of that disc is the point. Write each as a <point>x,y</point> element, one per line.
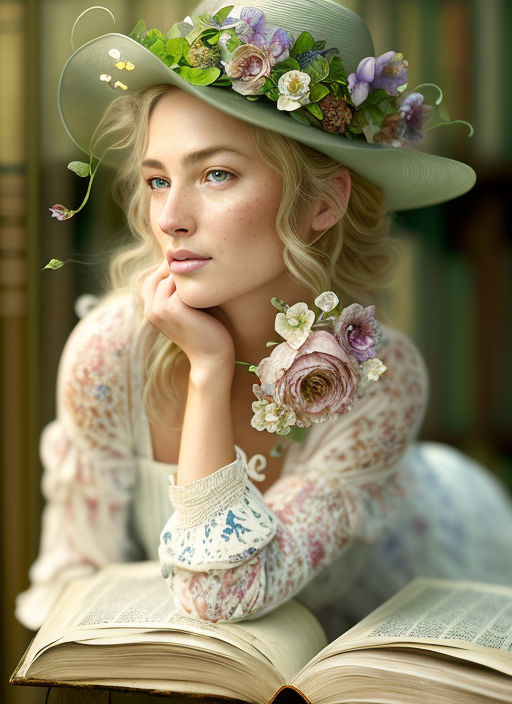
<point>207,439</point>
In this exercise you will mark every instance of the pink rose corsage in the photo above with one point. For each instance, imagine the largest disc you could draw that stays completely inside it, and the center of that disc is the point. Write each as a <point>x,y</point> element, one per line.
<point>314,374</point>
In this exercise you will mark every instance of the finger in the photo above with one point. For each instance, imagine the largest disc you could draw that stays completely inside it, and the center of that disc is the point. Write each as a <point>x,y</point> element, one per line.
<point>150,283</point>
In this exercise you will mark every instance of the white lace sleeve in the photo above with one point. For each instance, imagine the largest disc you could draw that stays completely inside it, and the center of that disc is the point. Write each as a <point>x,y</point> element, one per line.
<point>219,521</point>
<point>89,467</point>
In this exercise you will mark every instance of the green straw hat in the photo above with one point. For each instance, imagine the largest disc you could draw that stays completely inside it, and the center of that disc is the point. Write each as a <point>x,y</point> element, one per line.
<point>115,64</point>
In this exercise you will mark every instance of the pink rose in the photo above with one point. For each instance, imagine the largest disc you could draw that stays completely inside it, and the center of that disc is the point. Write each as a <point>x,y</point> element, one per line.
<point>320,382</point>
<point>251,65</point>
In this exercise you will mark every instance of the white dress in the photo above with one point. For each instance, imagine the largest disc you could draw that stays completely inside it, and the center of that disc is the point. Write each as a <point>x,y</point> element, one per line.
<point>360,509</point>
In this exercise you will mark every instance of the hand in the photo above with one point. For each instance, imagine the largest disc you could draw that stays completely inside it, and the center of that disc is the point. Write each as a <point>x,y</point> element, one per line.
<point>205,341</point>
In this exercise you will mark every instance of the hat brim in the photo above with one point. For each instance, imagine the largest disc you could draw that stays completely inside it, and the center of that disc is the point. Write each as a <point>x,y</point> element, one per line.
<point>408,178</point>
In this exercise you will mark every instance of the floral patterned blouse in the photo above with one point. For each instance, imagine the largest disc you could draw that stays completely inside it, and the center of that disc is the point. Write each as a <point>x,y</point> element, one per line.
<point>227,551</point>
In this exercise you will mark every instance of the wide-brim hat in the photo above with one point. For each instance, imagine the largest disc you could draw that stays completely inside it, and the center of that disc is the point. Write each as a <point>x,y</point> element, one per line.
<point>408,177</point>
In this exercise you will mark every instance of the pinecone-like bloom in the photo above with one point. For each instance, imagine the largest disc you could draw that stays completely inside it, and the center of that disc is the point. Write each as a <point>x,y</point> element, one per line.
<point>336,112</point>
<point>201,56</point>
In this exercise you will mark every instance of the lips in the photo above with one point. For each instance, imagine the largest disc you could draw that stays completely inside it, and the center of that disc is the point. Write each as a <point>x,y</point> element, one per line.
<point>183,261</point>
<point>184,254</point>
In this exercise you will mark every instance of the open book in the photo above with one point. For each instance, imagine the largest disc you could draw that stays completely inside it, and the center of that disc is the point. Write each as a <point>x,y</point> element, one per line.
<point>449,641</point>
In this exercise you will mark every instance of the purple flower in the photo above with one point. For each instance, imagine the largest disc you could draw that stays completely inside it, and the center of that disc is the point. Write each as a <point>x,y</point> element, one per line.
<point>387,72</point>
<point>360,81</point>
<point>60,212</point>
<point>390,72</point>
<point>414,114</point>
<point>252,29</point>
<point>358,332</point>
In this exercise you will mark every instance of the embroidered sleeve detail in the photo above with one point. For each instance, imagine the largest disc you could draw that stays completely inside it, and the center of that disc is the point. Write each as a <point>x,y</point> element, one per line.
<point>343,485</point>
<point>89,467</point>
<point>195,503</point>
<point>219,521</point>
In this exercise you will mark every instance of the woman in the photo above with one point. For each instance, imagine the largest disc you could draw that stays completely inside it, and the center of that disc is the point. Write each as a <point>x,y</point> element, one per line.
<point>228,216</point>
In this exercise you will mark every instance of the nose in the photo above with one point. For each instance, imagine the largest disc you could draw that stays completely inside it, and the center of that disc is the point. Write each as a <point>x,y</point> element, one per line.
<point>176,216</point>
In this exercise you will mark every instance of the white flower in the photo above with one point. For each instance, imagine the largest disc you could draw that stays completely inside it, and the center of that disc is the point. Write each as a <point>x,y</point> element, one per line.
<point>294,89</point>
<point>327,301</point>
<point>115,54</point>
<point>372,369</point>
<point>295,325</point>
<point>271,417</point>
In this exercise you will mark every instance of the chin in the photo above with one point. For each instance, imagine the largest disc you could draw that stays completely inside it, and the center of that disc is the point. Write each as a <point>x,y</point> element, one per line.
<point>198,297</point>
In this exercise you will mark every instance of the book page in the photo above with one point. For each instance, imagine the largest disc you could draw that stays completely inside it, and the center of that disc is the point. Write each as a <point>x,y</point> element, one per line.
<point>123,602</point>
<point>469,620</point>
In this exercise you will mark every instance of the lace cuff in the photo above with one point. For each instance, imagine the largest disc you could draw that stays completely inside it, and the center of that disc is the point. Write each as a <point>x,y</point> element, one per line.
<point>219,521</point>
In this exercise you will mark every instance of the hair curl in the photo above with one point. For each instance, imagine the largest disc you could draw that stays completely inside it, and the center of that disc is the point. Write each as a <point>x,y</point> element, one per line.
<point>354,258</point>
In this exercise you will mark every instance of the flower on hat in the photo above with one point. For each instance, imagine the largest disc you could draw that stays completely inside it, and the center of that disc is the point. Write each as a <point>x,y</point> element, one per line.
<point>249,67</point>
<point>386,72</point>
<point>294,90</point>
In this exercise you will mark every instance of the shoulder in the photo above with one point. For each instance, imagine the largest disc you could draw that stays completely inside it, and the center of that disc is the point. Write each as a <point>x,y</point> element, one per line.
<point>105,333</point>
<point>404,362</point>
<point>94,373</point>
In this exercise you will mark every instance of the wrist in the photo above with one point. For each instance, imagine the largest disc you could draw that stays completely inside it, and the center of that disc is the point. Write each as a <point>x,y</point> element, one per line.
<point>211,374</point>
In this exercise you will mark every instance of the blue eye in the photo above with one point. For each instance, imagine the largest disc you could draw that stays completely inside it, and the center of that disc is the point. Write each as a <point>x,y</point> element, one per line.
<point>158,183</point>
<point>218,176</point>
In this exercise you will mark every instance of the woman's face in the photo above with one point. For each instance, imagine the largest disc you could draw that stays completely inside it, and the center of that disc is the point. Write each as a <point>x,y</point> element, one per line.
<point>213,203</point>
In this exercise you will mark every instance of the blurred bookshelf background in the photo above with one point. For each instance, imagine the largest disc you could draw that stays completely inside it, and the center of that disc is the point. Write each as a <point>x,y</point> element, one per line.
<point>451,294</point>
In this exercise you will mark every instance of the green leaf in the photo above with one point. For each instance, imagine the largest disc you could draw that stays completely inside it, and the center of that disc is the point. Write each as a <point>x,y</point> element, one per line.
<point>221,15</point>
<point>279,304</point>
<point>214,39</point>
<point>177,47</point>
<point>199,76</point>
<point>318,92</point>
<point>317,68</point>
<point>315,110</point>
<point>80,168</point>
<point>201,24</point>
<point>318,46</point>
<point>303,116</point>
<point>233,43</point>
<point>305,42</point>
<point>158,49</point>
<point>298,434</point>
<point>283,67</point>
<point>54,264</point>
<point>337,71</point>
<point>139,31</point>
<point>272,94</point>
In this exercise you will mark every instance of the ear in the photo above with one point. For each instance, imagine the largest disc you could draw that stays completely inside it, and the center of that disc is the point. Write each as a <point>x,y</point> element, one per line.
<point>322,215</point>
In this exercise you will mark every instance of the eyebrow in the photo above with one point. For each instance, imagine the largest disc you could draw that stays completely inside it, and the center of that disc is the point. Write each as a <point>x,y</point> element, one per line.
<point>194,157</point>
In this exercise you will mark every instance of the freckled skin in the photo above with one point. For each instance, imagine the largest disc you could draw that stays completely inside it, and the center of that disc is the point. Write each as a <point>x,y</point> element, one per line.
<point>232,221</point>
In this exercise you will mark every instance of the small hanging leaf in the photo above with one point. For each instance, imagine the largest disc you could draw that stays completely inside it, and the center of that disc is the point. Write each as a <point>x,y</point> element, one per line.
<point>54,264</point>
<point>80,168</point>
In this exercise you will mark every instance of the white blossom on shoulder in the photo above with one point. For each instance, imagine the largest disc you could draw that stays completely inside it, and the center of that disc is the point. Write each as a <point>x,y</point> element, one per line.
<point>271,417</point>
<point>372,369</point>
<point>327,301</point>
<point>295,325</point>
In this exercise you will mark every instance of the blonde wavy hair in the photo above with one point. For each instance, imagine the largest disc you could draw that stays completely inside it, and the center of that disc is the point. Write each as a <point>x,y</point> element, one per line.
<point>355,258</point>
